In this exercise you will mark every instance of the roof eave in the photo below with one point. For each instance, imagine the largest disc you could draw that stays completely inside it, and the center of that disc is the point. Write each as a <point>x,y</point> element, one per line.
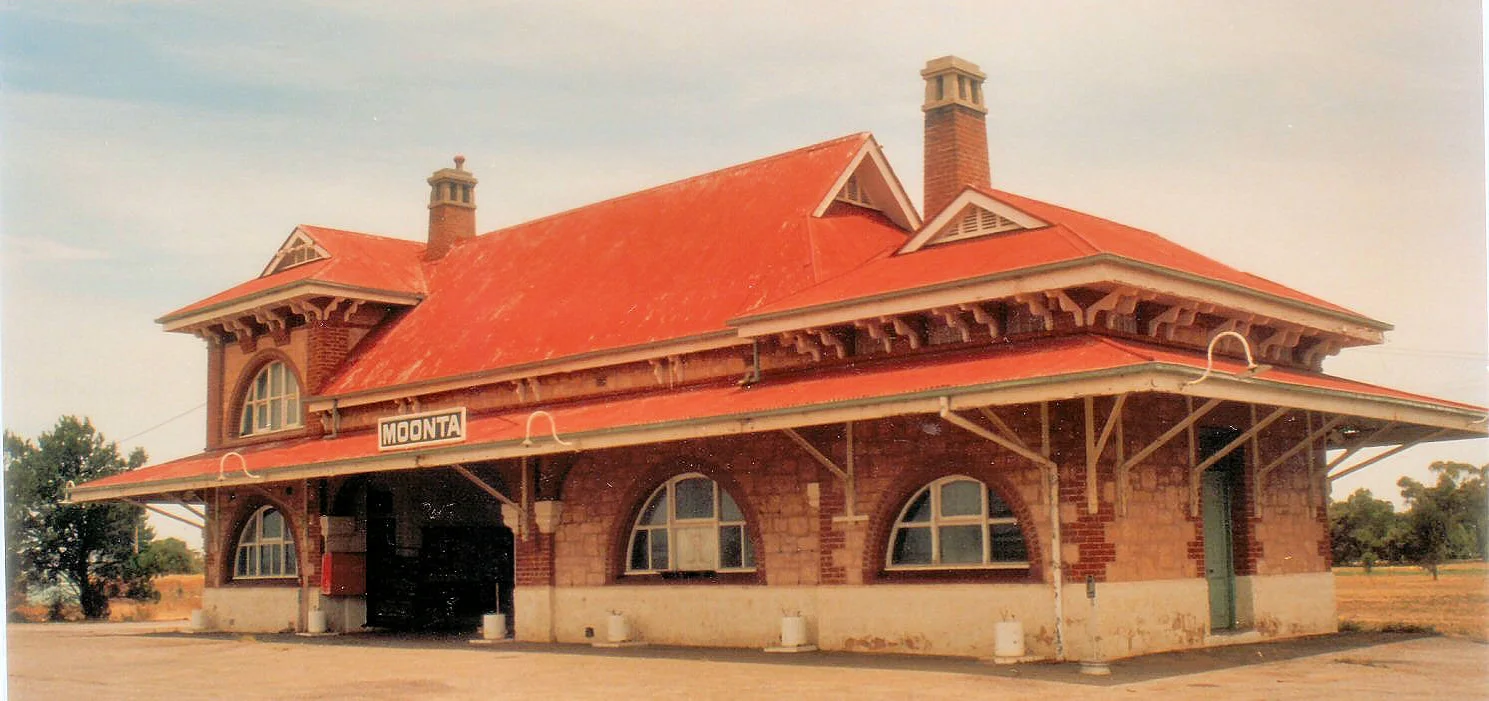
<point>183,320</point>
<point>1366,330</point>
<point>1154,376</point>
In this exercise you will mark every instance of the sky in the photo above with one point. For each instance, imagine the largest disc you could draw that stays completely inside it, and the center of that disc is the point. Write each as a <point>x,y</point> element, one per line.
<point>155,152</point>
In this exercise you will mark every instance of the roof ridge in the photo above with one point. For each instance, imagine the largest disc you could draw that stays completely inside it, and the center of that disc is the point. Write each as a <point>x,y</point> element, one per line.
<point>862,135</point>
<point>362,234</point>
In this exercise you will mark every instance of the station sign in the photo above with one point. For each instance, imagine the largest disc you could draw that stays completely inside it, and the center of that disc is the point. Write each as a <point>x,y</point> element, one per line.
<point>419,430</point>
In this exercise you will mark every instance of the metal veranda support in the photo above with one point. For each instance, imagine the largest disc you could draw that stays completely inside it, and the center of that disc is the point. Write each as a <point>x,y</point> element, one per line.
<point>167,514</point>
<point>1310,441</point>
<point>845,473</point>
<point>1377,458</point>
<point>1184,425</point>
<point>495,493</point>
<point>1227,449</point>
<point>1095,447</point>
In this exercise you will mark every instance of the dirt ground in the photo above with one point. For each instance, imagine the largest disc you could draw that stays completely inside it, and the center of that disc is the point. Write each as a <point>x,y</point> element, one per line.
<point>139,661</point>
<point>1403,597</point>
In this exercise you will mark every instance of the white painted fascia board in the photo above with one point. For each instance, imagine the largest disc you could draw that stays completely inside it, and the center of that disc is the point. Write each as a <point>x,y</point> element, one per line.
<point>902,214</point>
<point>570,363</point>
<point>1091,270</point>
<point>279,295</point>
<point>953,211</point>
<point>1160,378</point>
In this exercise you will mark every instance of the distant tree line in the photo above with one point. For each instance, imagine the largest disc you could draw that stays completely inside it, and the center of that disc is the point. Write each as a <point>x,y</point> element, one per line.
<point>78,553</point>
<point>1445,521</point>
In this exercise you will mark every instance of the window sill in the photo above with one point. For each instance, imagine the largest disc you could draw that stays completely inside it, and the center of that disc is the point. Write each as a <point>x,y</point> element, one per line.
<point>290,581</point>
<point>688,578</point>
<point>951,575</point>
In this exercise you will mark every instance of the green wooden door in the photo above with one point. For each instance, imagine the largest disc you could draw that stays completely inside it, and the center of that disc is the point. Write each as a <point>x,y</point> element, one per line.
<point>1220,570</point>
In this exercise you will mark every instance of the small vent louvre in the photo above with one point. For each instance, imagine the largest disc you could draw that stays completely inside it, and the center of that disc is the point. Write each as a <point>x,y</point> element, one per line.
<point>301,251</point>
<point>853,194</point>
<point>979,222</point>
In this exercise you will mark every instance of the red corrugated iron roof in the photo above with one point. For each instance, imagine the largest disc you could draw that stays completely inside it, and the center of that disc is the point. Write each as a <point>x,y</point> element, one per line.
<point>357,260</point>
<point>663,264</point>
<point>1049,360</point>
<point>1071,236</point>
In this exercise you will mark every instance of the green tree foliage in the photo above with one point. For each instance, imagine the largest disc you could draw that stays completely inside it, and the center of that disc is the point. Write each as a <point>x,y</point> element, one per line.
<point>88,547</point>
<point>168,556</point>
<point>1445,521</point>
<point>1364,529</point>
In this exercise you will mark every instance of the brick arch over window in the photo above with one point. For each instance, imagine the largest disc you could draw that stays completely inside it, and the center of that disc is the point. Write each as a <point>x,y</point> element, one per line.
<point>635,495</point>
<point>237,513</point>
<point>233,416</point>
<point>908,483</point>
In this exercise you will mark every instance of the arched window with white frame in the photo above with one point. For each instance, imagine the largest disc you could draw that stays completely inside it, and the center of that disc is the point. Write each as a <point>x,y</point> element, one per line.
<point>957,522</point>
<point>266,549</point>
<point>272,402</point>
<point>690,524</point>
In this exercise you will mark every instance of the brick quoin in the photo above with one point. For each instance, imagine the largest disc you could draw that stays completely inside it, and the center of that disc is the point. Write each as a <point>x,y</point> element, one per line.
<point>215,371</point>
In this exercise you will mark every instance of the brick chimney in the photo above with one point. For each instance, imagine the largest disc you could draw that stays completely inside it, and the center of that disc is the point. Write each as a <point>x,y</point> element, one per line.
<point>452,209</point>
<point>956,152</point>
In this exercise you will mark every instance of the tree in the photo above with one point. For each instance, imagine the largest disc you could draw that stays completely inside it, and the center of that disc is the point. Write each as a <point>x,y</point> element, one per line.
<point>1362,529</point>
<point>169,556</point>
<point>84,546</point>
<point>1447,520</point>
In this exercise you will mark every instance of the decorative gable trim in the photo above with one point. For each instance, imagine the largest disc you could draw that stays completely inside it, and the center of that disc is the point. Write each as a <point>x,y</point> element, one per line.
<point>869,182</point>
<point>300,248</point>
<point>971,215</point>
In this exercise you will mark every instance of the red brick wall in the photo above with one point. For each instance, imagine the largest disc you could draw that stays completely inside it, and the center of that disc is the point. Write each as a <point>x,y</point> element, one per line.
<point>956,154</point>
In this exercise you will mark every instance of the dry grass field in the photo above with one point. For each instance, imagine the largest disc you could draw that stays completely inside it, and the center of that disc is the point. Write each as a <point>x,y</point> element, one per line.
<point>179,594</point>
<point>1406,598</point>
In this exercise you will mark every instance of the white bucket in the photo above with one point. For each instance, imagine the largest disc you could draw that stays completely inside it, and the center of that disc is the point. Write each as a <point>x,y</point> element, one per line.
<point>494,626</point>
<point>198,619</point>
<point>618,629</point>
<point>1008,639</point>
<point>317,622</point>
<point>793,631</point>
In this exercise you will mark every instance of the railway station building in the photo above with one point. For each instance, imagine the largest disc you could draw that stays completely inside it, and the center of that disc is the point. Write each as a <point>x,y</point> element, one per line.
<point>780,390</point>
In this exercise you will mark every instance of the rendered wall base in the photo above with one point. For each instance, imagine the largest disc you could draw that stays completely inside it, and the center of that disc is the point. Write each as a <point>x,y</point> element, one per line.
<point>252,609</point>
<point>1131,618</point>
<point>345,614</point>
<point>1136,618</point>
<point>533,620</point>
<point>1289,605</point>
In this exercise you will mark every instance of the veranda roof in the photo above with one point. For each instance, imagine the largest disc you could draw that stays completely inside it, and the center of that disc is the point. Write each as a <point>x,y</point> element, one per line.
<point>1046,370</point>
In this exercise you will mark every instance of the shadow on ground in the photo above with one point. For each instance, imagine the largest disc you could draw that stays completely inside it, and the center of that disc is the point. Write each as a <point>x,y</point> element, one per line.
<point>1125,671</point>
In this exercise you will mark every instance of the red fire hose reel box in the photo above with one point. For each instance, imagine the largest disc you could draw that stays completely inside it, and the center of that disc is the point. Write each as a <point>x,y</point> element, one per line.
<point>343,574</point>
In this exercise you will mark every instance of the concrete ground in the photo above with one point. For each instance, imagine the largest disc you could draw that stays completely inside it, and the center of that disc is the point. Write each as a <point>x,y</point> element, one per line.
<point>151,661</point>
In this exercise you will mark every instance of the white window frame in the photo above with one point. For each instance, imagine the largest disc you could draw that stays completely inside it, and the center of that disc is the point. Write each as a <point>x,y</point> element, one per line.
<point>259,407</point>
<point>937,521</point>
<point>673,525</point>
<point>253,544</point>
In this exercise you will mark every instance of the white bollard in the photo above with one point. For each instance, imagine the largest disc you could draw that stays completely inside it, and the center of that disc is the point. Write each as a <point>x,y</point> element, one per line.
<point>793,631</point>
<point>618,629</point>
<point>1008,641</point>
<point>316,625</point>
<point>494,626</point>
<point>198,620</point>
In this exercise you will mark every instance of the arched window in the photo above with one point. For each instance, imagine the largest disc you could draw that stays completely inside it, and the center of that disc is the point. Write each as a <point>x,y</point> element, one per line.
<point>265,548</point>
<point>957,522</point>
<point>272,402</point>
<point>690,525</point>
